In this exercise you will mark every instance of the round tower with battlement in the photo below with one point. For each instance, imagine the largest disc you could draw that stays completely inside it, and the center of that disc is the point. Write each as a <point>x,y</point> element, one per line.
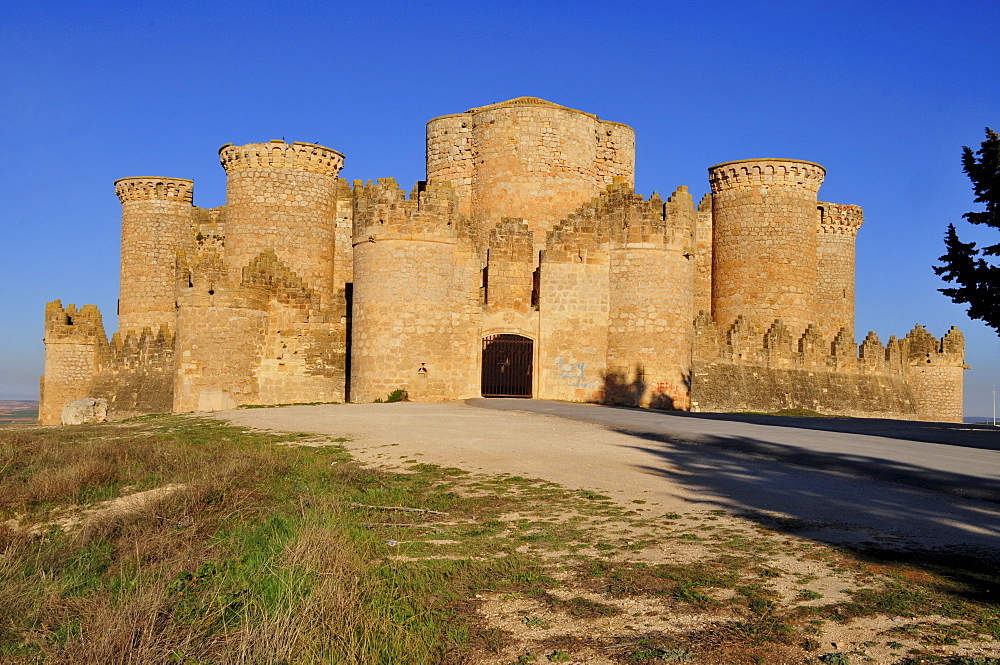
<point>527,158</point>
<point>416,295</point>
<point>283,197</point>
<point>838,226</point>
<point>156,224</point>
<point>764,258</point>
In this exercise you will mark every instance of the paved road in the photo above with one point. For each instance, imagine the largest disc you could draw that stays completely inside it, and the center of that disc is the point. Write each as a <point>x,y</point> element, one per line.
<point>837,487</point>
<point>958,459</point>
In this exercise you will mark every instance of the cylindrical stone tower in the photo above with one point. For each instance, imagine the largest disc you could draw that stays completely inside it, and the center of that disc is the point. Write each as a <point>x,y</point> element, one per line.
<point>284,197</point>
<point>835,251</point>
<point>416,305</point>
<point>527,158</point>
<point>764,242</point>
<point>156,223</point>
<point>652,303</point>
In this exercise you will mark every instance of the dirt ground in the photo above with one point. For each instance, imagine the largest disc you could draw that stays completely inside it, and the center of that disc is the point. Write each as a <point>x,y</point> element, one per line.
<point>681,493</point>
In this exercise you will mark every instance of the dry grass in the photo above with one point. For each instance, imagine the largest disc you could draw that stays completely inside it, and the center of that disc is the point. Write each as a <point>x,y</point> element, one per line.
<point>267,553</point>
<point>261,557</point>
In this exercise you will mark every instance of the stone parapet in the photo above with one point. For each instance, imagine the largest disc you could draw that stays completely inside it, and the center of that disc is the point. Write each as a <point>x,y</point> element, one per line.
<point>766,172</point>
<point>383,211</point>
<point>840,218</point>
<point>277,154</point>
<point>178,190</point>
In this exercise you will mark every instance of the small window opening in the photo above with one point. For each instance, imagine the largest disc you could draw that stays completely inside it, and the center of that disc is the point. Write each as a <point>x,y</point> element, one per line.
<point>69,320</point>
<point>485,286</point>
<point>211,292</point>
<point>190,282</point>
<point>536,282</point>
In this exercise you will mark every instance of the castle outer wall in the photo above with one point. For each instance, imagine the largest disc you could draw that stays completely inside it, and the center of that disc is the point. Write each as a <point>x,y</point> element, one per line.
<point>526,265</point>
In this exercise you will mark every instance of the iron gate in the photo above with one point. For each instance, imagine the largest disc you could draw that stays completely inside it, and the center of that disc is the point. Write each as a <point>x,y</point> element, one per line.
<point>507,364</point>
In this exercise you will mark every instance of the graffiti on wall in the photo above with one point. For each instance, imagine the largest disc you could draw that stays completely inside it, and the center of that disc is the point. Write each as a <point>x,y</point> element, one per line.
<point>573,374</point>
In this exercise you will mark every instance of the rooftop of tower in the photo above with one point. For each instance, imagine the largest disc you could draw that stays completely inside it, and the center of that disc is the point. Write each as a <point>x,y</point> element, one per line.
<point>527,101</point>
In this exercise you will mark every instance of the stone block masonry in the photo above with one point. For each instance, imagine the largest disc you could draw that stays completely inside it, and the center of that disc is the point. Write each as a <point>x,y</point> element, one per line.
<point>524,264</point>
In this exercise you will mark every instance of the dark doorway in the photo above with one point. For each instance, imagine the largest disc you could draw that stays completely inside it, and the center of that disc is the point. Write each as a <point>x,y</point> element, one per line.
<point>507,364</point>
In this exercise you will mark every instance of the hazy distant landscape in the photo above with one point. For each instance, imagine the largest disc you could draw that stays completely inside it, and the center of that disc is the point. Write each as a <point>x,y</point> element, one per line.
<point>18,412</point>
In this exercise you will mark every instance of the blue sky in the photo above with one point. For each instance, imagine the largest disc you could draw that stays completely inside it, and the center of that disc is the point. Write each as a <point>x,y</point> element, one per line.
<point>882,94</point>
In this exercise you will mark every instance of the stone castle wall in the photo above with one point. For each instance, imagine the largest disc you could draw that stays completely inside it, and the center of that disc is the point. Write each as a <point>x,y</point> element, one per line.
<point>72,346</point>
<point>134,372</point>
<point>651,302</point>
<point>917,377</point>
<point>574,306</point>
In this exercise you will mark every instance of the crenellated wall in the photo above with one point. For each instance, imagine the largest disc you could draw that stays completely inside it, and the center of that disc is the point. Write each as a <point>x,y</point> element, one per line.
<point>136,374</point>
<point>574,294</point>
<point>417,276</point>
<point>74,344</point>
<point>651,299</point>
<point>914,378</point>
<point>936,368</point>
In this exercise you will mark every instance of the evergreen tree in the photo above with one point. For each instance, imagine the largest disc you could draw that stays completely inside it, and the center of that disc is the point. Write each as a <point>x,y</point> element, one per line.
<point>977,280</point>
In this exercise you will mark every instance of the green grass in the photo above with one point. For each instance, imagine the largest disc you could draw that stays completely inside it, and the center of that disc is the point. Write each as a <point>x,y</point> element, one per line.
<point>265,551</point>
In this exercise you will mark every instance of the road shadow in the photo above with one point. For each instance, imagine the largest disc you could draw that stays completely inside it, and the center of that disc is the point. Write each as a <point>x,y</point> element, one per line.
<point>875,468</point>
<point>966,435</point>
<point>828,502</point>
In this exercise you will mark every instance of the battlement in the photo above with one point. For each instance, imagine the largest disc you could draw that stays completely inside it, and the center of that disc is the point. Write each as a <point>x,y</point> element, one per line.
<point>621,216</point>
<point>840,218</point>
<point>925,349</point>
<point>761,172</point>
<point>133,350</point>
<point>268,276</point>
<point>178,190</point>
<point>71,325</point>
<point>383,211</point>
<point>277,154</point>
<point>740,343</point>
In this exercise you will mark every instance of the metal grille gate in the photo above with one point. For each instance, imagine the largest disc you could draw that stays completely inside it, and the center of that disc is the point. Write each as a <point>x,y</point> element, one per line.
<point>507,365</point>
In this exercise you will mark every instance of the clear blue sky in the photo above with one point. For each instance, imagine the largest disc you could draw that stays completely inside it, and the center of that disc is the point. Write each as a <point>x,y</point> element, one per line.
<point>882,94</point>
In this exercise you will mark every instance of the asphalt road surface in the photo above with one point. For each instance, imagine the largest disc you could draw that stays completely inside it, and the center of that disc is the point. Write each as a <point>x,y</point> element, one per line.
<point>880,483</point>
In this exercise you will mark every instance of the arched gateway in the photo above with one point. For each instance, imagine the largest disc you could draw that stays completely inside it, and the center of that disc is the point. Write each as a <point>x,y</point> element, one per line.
<point>507,366</point>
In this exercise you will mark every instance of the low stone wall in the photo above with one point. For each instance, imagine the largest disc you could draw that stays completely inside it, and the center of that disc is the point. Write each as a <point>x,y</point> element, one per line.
<point>729,387</point>
<point>135,391</point>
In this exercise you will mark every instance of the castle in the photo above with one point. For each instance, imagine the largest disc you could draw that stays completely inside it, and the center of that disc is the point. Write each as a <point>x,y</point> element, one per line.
<point>525,265</point>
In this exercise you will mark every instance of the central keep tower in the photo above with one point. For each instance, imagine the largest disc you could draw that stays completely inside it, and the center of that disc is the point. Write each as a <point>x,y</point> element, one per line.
<point>527,158</point>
